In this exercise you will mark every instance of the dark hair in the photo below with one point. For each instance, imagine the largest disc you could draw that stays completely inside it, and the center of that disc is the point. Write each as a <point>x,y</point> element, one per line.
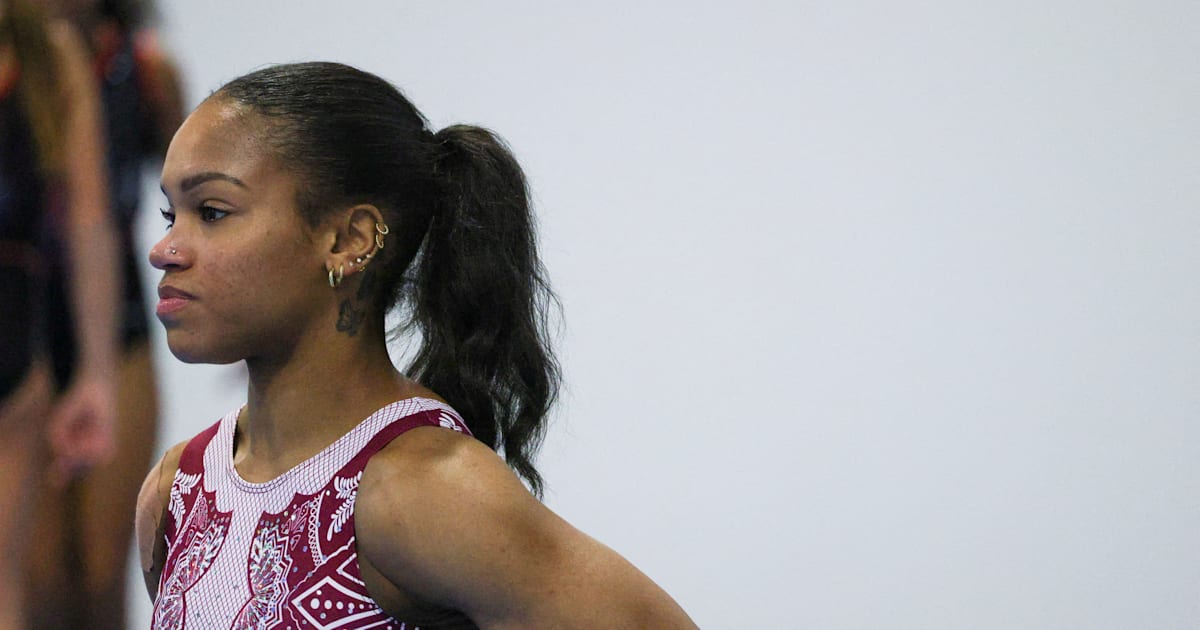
<point>461,259</point>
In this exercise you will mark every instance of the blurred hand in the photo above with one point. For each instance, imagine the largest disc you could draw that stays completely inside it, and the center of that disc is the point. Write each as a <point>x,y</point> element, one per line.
<point>81,427</point>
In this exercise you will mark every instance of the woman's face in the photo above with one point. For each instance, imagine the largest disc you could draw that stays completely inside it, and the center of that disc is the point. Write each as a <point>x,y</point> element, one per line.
<point>242,275</point>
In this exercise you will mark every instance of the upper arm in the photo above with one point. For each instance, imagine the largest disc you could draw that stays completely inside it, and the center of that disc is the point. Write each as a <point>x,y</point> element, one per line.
<point>83,158</point>
<point>151,517</point>
<point>463,532</point>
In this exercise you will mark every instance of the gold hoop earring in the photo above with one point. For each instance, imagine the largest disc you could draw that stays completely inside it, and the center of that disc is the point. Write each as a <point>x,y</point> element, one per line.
<point>336,279</point>
<point>381,230</point>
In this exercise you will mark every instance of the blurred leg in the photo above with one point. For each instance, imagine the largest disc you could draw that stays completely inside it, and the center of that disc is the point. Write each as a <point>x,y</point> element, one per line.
<point>51,562</point>
<point>22,418</point>
<point>78,569</point>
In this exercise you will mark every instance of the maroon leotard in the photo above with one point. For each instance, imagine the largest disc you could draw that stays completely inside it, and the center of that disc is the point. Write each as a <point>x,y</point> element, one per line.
<point>279,554</point>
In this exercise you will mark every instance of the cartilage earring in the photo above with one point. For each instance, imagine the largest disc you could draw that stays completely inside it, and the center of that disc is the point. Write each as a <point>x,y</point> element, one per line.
<point>381,230</point>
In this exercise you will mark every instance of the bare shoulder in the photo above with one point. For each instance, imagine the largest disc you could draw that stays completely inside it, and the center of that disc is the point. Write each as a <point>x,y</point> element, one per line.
<point>150,519</point>
<point>445,462</point>
<point>454,476</point>
<point>445,520</point>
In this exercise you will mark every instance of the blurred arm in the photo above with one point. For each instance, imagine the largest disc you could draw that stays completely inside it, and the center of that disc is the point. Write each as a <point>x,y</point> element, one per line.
<point>83,430</point>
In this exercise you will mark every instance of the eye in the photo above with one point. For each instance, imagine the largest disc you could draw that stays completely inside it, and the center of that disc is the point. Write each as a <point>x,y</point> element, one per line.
<point>209,214</point>
<point>168,216</point>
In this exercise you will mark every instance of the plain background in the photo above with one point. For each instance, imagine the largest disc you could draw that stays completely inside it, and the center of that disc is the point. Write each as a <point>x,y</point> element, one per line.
<point>877,314</point>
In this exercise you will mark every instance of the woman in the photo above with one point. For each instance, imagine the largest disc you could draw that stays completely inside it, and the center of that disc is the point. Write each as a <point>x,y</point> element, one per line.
<point>51,179</point>
<point>305,201</point>
<point>80,555</point>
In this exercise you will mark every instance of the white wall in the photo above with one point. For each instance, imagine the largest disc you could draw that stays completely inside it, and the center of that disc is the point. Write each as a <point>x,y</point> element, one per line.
<point>878,315</point>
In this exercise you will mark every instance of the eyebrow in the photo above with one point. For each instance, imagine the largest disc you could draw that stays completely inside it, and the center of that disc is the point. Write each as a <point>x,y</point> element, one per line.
<point>192,181</point>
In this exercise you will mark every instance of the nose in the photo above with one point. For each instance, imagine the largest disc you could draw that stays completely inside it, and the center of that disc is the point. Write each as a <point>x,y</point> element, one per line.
<point>168,254</point>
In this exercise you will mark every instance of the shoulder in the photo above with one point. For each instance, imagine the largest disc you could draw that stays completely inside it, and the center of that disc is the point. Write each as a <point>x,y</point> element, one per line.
<point>432,463</point>
<point>438,452</point>
<point>156,488</point>
<point>441,517</point>
<point>157,485</point>
<point>435,508</point>
<point>150,517</point>
<point>158,481</point>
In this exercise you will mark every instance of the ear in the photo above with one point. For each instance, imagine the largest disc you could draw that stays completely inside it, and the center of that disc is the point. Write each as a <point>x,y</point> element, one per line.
<point>354,242</point>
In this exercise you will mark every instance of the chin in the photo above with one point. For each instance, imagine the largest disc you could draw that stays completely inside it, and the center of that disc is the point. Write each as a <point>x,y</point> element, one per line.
<point>189,351</point>
<point>192,355</point>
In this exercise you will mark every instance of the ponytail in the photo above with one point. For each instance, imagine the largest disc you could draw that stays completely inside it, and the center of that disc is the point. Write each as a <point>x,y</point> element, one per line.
<point>481,300</point>
<point>462,261</point>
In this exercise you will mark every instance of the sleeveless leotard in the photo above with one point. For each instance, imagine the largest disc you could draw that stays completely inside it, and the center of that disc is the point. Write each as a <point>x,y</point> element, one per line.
<point>279,554</point>
<point>22,212</point>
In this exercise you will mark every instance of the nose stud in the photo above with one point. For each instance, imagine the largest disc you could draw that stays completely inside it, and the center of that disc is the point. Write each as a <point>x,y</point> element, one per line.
<point>172,251</point>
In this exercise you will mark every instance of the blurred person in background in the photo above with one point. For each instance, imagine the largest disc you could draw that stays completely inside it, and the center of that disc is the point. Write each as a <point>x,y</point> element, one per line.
<point>52,190</point>
<point>81,554</point>
<point>305,202</point>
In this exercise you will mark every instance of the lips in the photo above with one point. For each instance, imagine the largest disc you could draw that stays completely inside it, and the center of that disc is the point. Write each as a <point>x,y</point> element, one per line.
<point>167,291</point>
<point>170,300</point>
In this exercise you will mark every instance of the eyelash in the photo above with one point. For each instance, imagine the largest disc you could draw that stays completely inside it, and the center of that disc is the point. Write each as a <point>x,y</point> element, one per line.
<point>207,214</point>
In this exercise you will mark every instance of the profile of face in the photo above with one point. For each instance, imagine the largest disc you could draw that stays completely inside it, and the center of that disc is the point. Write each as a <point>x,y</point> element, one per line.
<point>242,272</point>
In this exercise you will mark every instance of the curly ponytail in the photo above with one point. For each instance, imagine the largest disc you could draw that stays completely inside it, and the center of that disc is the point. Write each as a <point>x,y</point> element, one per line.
<point>480,299</point>
<point>462,261</point>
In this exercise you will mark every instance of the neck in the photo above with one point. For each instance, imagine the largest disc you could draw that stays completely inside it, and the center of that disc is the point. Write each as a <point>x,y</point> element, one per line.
<point>299,404</point>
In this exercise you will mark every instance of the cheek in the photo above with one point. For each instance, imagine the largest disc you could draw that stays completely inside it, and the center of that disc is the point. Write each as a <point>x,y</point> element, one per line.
<point>265,283</point>
<point>233,281</point>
